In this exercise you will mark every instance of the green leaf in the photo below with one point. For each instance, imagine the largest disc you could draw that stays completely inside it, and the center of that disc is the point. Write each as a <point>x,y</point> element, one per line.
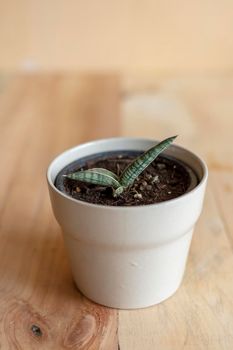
<point>96,176</point>
<point>134,169</point>
<point>118,191</point>
<point>105,172</point>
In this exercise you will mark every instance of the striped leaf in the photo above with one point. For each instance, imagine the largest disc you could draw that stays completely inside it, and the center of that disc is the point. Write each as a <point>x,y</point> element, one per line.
<point>96,176</point>
<point>134,169</point>
<point>105,172</point>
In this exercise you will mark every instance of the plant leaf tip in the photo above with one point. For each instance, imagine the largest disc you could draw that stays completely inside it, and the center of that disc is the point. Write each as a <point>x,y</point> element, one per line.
<point>172,138</point>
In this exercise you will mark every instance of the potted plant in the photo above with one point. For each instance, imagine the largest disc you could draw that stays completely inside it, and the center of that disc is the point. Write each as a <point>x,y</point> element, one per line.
<point>127,216</point>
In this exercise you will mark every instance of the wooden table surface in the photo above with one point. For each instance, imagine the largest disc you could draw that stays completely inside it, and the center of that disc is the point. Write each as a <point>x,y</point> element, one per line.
<point>40,116</point>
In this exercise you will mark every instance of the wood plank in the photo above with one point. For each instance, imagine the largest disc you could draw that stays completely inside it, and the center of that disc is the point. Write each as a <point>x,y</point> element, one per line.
<point>199,315</point>
<point>51,113</point>
<point>222,181</point>
<point>198,109</point>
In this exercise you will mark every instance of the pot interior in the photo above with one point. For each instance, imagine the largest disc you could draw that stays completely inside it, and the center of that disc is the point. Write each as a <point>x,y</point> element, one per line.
<point>79,163</point>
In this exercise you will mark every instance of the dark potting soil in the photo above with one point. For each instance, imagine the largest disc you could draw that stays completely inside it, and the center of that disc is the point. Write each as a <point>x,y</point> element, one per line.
<point>164,179</point>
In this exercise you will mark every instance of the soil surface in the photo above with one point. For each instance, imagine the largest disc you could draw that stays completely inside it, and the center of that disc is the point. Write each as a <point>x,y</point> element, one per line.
<point>164,179</point>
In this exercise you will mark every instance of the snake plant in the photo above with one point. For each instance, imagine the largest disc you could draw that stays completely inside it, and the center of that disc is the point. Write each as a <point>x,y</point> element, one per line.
<point>104,177</point>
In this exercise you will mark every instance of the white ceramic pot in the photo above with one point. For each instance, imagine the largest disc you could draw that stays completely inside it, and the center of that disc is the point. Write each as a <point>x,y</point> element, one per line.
<point>127,257</point>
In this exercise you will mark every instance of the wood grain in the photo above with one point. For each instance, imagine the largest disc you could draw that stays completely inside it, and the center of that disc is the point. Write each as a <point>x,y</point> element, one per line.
<point>200,315</point>
<point>40,116</point>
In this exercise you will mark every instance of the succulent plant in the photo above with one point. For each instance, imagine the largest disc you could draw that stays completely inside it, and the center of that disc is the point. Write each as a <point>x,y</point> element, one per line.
<point>104,177</point>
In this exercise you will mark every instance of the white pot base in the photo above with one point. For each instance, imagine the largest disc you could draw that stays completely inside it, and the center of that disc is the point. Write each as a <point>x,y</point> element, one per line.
<point>127,307</point>
<point>128,278</point>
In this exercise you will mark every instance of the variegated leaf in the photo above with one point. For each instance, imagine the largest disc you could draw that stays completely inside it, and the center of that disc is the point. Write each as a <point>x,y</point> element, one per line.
<point>97,176</point>
<point>105,172</point>
<point>134,169</point>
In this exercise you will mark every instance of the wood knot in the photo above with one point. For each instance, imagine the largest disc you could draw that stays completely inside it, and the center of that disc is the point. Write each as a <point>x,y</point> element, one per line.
<point>82,333</point>
<point>36,330</point>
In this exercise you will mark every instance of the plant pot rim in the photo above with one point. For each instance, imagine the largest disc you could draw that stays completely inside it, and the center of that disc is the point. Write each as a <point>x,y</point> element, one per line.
<point>184,196</point>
